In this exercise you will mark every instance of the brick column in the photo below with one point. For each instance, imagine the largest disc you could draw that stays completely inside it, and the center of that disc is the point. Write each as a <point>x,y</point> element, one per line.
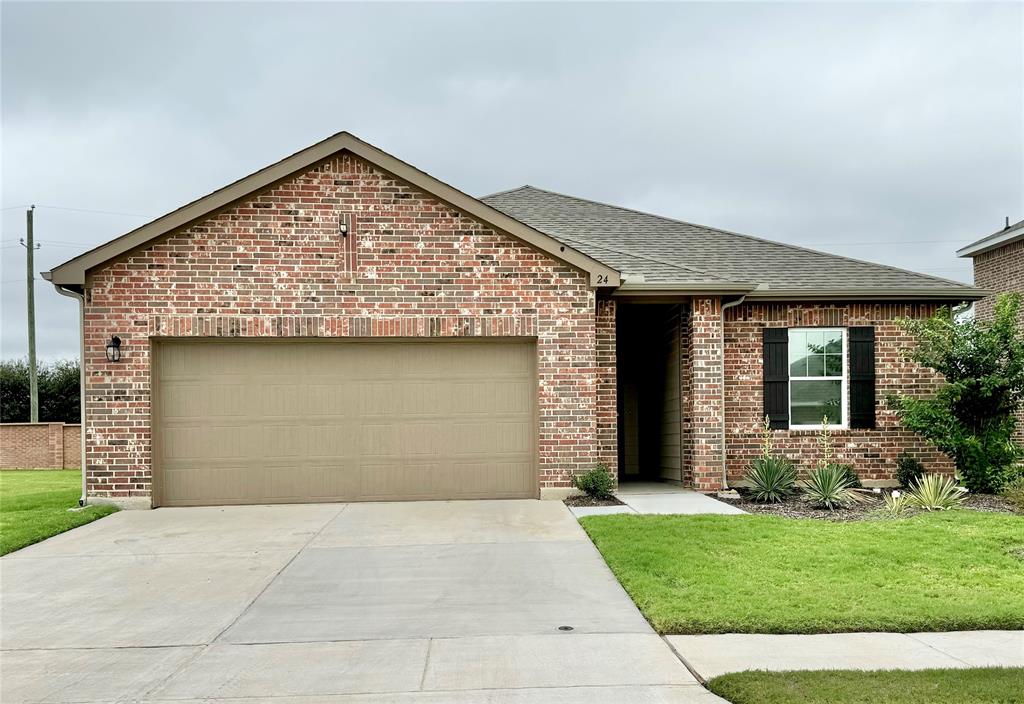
<point>706,409</point>
<point>55,443</point>
<point>607,387</point>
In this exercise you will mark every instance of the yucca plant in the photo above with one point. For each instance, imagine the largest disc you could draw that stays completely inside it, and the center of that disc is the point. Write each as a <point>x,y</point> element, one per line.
<point>934,492</point>
<point>896,504</point>
<point>830,487</point>
<point>771,479</point>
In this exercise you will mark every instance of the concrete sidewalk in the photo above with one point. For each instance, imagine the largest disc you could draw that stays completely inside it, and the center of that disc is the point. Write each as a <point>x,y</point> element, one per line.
<point>658,498</point>
<point>713,655</point>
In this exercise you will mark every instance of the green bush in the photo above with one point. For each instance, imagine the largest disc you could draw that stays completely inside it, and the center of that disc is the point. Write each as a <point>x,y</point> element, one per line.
<point>934,492</point>
<point>597,483</point>
<point>971,417</point>
<point>908,469</point>
<point>1013,491</point>
<point>830,487</point>
<point>772,479</point>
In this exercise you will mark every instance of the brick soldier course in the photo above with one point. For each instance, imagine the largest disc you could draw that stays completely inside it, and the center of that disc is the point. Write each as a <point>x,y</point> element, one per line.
<point>266,258</point>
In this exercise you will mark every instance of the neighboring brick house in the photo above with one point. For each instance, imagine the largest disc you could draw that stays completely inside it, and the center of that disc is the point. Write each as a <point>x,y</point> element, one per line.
<point>999,267</point>
<point>342,326</point>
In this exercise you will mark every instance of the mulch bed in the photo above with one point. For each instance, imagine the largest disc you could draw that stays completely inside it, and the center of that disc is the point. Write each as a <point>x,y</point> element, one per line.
<point>584,500</point>
<point>795,507</point>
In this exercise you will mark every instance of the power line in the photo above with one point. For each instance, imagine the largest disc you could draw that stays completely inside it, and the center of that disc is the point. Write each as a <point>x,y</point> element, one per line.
<point>81,210</point>
<point>95,212</point>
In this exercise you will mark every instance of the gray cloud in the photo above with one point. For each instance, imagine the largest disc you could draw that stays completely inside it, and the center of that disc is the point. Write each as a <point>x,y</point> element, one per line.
<point>837,126</point>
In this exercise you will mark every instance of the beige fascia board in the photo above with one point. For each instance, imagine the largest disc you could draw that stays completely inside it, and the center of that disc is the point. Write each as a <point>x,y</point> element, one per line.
<point>73,272</point>
<point>877,294</point>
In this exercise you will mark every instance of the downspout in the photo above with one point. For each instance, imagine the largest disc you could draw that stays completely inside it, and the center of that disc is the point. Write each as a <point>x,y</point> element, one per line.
<point>721,342</point>
<point>81,374</point>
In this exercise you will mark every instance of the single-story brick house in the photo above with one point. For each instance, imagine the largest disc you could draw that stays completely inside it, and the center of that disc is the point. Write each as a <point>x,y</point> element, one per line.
<point>341,326</point>
<point>999,267</point>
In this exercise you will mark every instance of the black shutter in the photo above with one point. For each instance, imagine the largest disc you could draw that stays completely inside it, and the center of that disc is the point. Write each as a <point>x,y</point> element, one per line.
<point>776,376</point>
<point>862,377</point>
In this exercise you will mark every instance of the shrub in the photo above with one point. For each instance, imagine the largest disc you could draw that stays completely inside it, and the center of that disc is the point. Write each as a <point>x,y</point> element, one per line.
<point>908,469</point>
<point>934,492</point>
<point>971,416</point>
<point>597,483</point>
<point>772,479</point>
<point>830,487</point>
<point>1013,491</point>
<point>896,504</point>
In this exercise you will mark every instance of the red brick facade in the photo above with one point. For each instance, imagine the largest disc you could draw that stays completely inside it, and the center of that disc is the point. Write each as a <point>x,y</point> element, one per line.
<point>276,266</point>
<point>871,452</point>
<point>703,400</point>
<point>1001,270</point>
<point>40,446</point>
<point>607,386</point>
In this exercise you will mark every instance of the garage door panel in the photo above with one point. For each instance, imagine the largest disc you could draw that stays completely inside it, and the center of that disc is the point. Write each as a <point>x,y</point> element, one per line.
<point>190,442</point>
<point>501,479</point>
<point>410,480</point>
<point>265,422</point>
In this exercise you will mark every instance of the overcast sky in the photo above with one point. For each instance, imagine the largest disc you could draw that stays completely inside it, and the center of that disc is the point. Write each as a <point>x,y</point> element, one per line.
<point>889,132</point>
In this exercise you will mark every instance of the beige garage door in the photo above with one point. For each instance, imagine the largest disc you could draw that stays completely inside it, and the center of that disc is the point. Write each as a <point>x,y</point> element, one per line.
<point>241,422</point>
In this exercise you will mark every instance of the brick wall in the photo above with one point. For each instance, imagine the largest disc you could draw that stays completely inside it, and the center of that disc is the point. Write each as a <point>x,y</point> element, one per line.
<point>276,266</point>
<point>607,386</point>
<point>1001,270</point>
<point>704,404</point>
<point>872,452</point>
<point>40,446</point>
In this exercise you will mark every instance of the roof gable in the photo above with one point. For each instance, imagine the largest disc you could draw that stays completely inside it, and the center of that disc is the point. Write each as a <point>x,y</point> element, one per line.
<point>671,254</point>
<point>73,272</point>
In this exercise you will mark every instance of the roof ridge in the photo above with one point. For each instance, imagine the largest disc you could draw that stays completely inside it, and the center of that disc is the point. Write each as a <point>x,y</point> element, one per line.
<point>508,190</point>
<point>745,236</point>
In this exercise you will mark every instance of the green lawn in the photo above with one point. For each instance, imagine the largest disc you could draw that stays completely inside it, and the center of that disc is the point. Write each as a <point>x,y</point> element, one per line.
<point>986,685</point>
<point>34,506</point>
<point>956,570</point>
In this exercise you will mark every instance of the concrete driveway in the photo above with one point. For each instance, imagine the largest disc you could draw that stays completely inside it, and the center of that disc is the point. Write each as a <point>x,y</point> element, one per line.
<point>402,602</point>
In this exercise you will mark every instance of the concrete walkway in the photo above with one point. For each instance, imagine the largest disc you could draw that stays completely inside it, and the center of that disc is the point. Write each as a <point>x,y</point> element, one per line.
<point>410,603</point>
<point>658,498</point>
<point>714,655</point>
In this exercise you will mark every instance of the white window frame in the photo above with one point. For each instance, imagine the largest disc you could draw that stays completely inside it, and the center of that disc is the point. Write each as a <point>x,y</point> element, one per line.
<point>844,404</point>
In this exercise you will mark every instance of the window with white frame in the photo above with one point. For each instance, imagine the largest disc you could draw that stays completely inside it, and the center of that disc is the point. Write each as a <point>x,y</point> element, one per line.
<point>817,377</point>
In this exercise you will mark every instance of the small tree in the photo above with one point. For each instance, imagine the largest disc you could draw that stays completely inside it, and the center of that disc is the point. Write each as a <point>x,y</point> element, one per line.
<point>971,417</point>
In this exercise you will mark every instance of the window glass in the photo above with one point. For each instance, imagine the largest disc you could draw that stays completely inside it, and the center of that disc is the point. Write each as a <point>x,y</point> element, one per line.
<point>816,370</point>
<point>797,353</point>
<point>810,401</point>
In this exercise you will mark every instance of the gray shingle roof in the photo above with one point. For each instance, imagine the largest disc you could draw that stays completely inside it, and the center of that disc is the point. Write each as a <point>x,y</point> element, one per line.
<point>667,251</point>
<point>1008,235</point>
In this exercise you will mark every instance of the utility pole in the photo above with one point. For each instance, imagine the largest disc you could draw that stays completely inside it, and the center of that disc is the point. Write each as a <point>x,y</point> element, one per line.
<point>30,248</point>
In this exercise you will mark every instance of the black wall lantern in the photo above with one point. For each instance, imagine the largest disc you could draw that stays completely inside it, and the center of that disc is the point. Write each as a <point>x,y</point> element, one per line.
<point>114,349</point>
